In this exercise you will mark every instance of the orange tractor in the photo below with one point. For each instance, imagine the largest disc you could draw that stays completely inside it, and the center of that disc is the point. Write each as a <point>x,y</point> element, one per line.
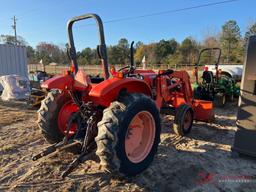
<point>118,116</point>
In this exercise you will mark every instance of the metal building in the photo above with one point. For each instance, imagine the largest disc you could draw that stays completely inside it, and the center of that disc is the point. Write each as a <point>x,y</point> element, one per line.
<point>13,60</point>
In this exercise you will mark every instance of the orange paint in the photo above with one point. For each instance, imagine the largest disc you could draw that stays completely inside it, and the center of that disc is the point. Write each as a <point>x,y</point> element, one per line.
<point>203,110</point>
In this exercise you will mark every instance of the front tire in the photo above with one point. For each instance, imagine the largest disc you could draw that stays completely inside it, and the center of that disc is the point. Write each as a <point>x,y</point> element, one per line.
<point>183,120</point>
<point>129,134</point>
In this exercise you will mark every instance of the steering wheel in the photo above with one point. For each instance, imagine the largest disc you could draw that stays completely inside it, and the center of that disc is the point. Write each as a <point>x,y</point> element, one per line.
<point>129,71</point>
<point>126,67</point>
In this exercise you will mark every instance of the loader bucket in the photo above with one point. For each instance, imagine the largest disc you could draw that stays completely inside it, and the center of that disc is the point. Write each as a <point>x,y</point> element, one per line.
<point>203,110</point>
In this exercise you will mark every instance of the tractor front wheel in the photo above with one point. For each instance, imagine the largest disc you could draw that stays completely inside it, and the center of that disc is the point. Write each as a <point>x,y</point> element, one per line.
<point>129,134</point>
<point>183,120</point>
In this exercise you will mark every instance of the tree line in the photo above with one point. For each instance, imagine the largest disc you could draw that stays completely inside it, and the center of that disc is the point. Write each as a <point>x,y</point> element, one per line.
<point>168,52</point>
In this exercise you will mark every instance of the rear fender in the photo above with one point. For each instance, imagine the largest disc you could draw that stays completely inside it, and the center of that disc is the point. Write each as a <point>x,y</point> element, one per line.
<point>109,90</point>
<point>58,82</point>
<point>226,74</point>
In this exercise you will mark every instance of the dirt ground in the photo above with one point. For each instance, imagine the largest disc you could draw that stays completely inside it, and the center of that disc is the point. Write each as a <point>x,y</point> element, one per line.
<point>200,161</point>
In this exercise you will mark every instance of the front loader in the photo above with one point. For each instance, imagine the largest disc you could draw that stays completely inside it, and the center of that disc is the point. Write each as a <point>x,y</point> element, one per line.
<point>116,116</point>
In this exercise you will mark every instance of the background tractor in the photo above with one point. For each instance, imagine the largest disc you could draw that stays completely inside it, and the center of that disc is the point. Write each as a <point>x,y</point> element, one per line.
<point>218,86</point>
<point>116,116</point>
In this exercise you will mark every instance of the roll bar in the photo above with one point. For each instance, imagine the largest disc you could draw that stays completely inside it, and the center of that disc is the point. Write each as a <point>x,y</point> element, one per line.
<point>101,48</point>
<point>216,63</point>
<point>132,55</point>
<point>209,49</point>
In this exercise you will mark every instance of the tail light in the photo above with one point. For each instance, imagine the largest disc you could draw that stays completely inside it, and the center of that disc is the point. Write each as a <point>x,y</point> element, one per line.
<point>72,68</point>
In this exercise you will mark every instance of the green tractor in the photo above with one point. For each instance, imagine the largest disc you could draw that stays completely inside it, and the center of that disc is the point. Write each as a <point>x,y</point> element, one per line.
<point>218,87</point>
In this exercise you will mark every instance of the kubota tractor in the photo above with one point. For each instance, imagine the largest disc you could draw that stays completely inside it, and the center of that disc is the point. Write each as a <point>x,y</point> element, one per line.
<point>118,116</point>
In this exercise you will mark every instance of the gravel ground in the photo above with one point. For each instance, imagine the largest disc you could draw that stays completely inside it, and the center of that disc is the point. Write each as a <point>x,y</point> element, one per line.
<point>200,161</point>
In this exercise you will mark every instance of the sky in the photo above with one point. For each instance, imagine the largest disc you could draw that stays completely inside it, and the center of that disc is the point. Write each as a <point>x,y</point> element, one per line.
<point>45,21</point>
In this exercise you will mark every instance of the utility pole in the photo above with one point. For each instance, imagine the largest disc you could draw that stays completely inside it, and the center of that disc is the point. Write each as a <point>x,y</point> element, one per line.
<point>15,29</point>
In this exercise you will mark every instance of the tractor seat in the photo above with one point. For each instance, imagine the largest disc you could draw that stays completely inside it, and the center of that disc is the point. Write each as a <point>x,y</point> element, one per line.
<point>207,77</point>
<point>96,79</point>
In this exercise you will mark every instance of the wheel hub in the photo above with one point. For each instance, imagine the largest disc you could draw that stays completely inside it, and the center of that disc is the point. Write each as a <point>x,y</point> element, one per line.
<point>64,115</point>
<point>187,120</point>
<point>140,136</point>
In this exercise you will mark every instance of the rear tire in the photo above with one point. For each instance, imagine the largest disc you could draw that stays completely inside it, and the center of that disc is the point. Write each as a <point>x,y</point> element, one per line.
<point>231,97</point>
<point>48,115</point>
<point>220,100</point>
<point>183,120</point>
<point>115,130</point>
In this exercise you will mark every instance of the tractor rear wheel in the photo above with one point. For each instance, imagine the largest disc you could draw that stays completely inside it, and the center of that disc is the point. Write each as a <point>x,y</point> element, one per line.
<point>129,134</point>
<point>231,97</point>
<point>53,116</point>
<point>220,99</point>
<point>183,120</point>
